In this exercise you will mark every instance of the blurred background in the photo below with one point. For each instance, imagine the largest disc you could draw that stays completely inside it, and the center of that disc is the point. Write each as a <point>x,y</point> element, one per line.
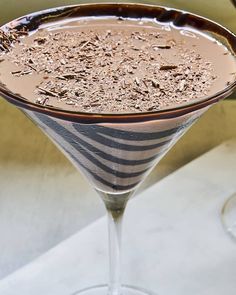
<point>43,199</point>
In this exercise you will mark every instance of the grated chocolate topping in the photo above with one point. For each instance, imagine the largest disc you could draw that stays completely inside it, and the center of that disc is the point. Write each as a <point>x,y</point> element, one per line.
<point>117,70</point>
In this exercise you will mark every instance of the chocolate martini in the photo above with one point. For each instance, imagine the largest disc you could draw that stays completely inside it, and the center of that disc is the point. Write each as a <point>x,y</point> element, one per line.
<point>115,65</point>
<point>115,86</point>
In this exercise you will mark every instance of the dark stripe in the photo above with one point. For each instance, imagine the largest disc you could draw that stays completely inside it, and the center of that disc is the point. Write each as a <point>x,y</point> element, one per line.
<point>102,166</point>
<point>114,159</point>
<point>94,135</point>
<point>130,135</point>
<point>101,180</point>
<point>71,139</point>
<point>122,146</point>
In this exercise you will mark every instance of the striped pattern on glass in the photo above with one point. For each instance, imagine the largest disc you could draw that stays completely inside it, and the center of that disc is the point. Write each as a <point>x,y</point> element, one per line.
<point>115,157</point>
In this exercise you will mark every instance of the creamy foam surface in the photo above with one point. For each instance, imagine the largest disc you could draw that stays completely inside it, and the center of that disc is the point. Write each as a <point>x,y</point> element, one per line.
<point>153,66</point>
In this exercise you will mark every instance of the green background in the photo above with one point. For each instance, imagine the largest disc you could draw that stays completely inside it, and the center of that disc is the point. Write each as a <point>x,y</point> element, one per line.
<point>219,10</point>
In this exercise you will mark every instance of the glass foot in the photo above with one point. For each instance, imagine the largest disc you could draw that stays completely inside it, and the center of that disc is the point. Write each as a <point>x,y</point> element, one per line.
<point>103,290</point>
<point>228,215</point>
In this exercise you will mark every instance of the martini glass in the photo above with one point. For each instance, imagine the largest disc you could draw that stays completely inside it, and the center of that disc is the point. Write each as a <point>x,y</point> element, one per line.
<point>228,215</point>
<point>115,152</point>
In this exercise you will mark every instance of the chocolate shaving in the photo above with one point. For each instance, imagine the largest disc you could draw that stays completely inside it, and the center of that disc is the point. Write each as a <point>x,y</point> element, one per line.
<point>155,83</point>
<point>21,73</point>
<point>40,40</point>
<point>161,46</point>
<point>47,92</point>
<point>42,100</point>
<point>33,68</point>
<point>10,37</point>
<point>137,81</point>
<point>70,102</point>
<point>168,67</point>
<point>16,72</point>
<point>69,76</point>
<point>182,85</point>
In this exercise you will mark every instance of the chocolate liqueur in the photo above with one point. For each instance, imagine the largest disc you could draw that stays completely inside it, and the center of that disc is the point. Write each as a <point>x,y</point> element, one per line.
<point>115,65</point>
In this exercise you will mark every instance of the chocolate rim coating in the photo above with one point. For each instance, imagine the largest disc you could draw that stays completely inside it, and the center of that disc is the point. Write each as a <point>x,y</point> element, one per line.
<point>178,18</point>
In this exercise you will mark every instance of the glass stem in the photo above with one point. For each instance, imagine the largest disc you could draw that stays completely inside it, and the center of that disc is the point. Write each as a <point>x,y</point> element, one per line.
<point>115,205</point>
<point>114,228</point>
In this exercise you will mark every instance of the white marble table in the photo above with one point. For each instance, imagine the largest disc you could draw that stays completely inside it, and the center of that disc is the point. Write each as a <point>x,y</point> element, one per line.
<point>174,242</point>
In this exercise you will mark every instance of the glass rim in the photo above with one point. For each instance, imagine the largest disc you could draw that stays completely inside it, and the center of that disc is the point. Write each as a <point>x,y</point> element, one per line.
<point>170,15</point>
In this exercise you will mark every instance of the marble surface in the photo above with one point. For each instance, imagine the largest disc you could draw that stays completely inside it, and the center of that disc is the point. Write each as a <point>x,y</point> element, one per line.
<point>173,241</point>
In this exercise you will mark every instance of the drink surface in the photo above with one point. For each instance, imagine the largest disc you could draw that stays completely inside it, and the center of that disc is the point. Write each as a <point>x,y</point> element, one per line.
<point>114,65</point>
